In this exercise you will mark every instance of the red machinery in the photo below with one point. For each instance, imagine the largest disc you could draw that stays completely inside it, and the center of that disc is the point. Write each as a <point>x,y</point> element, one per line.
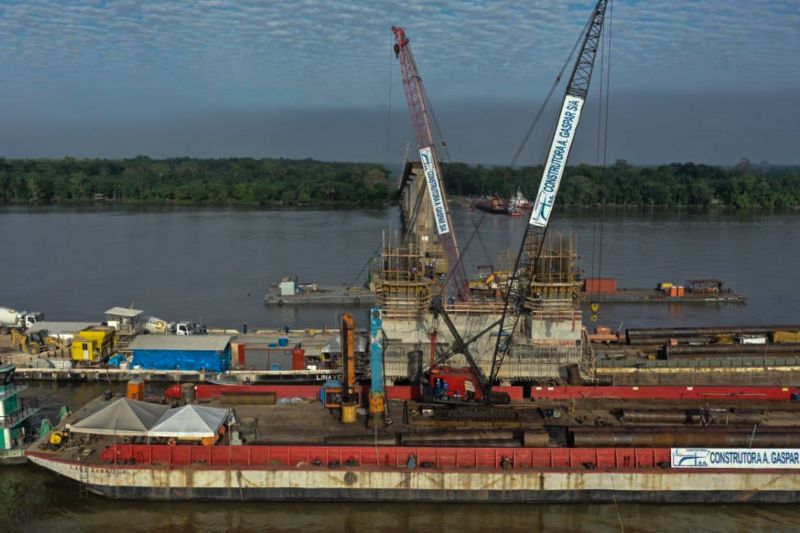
<point>423,130</point>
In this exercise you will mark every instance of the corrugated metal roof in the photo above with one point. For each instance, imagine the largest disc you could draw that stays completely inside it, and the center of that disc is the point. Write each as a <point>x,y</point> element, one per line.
<point>215,343</point>
<point>60,328</point>
<point>125,312</point>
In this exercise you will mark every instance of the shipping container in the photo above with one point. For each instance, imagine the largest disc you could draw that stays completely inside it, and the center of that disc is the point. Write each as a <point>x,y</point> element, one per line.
<point>600,285</point>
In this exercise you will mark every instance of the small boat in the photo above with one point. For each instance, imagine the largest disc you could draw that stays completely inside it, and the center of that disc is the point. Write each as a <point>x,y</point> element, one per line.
<point>518,205</point>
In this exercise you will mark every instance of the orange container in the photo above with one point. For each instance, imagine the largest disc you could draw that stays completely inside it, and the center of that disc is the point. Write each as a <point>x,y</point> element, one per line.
<point>600,285</point>
<point>673,291</point>
<point>681,290</point>
<point>135,389</point>
<point>298,359</point>
<point>240,355</point>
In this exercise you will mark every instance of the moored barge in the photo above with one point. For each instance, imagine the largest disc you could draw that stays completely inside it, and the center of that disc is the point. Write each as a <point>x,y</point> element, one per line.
<point>701,446</point>
<point>431,474</point>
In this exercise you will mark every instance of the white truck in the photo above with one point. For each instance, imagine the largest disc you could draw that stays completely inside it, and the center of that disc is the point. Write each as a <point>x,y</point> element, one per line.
<point>12,319</point>
<point>189,328</point>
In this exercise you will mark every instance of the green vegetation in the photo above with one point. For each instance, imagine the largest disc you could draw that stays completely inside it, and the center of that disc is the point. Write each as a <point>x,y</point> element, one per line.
<point>685,184</point>
<point>290,183</point>
<point>269,182</point>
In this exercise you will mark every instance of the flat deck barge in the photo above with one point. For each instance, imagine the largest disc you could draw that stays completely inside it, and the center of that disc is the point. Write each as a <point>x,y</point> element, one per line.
<point>289,292</point>
<point>592,449</point>
<point>643,296</point>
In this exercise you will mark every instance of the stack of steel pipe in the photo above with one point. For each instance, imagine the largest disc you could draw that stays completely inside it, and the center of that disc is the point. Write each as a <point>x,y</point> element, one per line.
<point>661,335</point>
<point>509,439</point>
<point>708,351</point>
<point>665,438</point>
<point>662,417</point>
<point>638,416</point>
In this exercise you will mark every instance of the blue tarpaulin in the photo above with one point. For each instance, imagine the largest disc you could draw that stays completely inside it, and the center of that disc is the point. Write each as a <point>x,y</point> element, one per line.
<point>115,360</point>
<point>210,361</point>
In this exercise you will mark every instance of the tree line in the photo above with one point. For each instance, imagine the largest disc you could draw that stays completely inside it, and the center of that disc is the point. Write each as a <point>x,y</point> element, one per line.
<point>245,181</point>
<point>685,184</point>
<point>307,182</point>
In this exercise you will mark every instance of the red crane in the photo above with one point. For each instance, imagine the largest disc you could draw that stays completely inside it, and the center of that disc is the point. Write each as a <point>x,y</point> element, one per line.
<point>423,130</point>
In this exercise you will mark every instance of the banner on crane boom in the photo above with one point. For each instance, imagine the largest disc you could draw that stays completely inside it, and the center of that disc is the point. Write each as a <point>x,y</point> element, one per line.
<point>434,190</point>
<point>556,161</point>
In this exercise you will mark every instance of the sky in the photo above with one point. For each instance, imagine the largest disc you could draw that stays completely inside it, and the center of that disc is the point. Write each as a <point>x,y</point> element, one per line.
<point>709,81</point>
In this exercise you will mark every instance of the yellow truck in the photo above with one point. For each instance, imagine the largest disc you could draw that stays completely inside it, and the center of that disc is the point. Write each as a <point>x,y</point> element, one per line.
<point>94,344</point>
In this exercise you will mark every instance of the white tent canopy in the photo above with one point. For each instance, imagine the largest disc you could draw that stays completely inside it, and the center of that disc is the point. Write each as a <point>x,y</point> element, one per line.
<point>190,422</point>
<point>122,417</point>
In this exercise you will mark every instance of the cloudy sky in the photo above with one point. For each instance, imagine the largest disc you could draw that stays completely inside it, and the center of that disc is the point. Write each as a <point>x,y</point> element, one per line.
<point>709,81</point>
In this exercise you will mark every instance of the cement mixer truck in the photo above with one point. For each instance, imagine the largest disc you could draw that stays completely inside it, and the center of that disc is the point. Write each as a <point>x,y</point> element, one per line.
<point>156,326</point>
<point>12,319</point>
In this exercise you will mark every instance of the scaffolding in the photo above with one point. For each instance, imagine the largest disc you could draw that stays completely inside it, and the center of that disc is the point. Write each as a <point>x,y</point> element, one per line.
<point>553,271</point>
<point>549,342</point>
<point>405,284</point>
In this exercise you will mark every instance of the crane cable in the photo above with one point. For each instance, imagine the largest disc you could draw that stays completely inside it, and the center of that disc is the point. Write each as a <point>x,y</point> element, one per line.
<point>539,114</point>
<point>389,114</point>
<point>499,355</point>
<point>530,130</point>
<point>602,141</point>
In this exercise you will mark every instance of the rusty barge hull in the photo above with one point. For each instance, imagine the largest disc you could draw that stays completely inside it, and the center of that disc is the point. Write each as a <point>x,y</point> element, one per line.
<point>290,473</point>
<point>644,296</point>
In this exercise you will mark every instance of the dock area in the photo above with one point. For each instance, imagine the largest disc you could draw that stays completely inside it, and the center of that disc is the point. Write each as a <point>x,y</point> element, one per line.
<point>262,355</point>
<point>191,376</point>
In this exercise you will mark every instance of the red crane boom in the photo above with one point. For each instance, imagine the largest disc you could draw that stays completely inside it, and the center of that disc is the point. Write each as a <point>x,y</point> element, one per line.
<point>423,130</point>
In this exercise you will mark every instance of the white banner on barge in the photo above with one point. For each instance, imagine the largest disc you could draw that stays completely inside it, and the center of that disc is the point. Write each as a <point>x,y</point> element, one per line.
<point>752,458</point>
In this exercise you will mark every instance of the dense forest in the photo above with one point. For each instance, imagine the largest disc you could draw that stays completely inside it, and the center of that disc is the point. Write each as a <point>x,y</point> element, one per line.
<point>271,182</point>
<point>685,184</point>
<point>284,182</point>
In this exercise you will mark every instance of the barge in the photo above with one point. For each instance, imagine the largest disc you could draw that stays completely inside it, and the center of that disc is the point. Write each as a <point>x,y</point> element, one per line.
<point>289,292</point>
<point>669,446</point>
<point>705,291</point>
<point>494,205</point>
<point>429,474</point>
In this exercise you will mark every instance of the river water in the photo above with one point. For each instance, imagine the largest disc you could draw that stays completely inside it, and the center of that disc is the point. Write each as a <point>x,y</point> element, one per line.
<point>213,265</point>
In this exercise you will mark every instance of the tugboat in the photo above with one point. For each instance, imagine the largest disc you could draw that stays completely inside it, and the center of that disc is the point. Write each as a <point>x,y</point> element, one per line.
<point>16,428</point>
<point>518,205</point>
